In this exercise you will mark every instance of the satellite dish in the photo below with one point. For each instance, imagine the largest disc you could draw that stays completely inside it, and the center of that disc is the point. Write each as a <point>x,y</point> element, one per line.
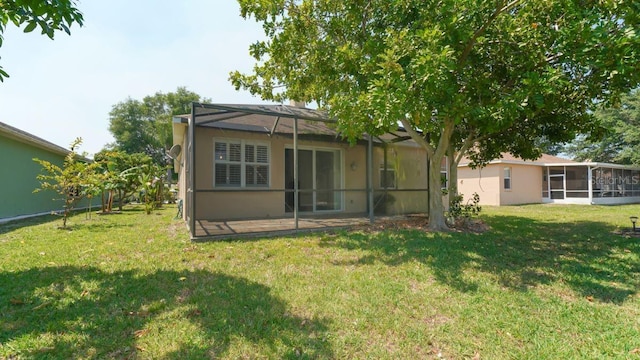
<point>174,152</point>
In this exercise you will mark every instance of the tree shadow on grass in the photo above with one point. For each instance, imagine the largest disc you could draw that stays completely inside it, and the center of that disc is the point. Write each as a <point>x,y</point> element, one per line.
<point>83,312</point>
<point>520,253</point>
<point>14,225</point>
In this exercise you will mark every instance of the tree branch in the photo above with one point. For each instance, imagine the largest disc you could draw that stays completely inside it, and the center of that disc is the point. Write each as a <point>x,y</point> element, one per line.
<point>417,137</point>
<point>470,140</point>
<point>499,10</point>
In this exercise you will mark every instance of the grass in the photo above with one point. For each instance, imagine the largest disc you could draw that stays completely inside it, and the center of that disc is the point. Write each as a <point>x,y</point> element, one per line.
<point>544,282</point>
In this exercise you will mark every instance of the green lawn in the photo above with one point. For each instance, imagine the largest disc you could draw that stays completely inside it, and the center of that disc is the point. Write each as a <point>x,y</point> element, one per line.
<point>546,282</point>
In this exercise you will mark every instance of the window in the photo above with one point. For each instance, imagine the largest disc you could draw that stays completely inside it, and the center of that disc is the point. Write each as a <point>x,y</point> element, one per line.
<point>388,178</point>
<point>240,163</point>
<point>507,178</point>
<point>545,182</point>
<point>444,178</point>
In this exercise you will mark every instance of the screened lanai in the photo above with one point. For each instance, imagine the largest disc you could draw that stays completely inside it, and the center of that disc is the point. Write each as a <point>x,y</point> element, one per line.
<point>289,165</point>
<point>591,183</point>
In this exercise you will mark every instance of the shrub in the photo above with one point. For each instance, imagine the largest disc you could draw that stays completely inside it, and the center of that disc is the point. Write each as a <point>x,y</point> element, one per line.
<point>458,211</point>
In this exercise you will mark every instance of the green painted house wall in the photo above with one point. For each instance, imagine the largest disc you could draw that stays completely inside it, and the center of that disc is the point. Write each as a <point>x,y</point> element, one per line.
<point>18,179</point>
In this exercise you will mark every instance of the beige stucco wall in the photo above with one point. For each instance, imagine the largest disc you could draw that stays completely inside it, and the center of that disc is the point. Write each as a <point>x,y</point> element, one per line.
<point>408,160</point>
<point>484,181</point>
<point>526,182</point>
<point>410,164</point>
<point>526,185</point>
<point>249,203</point>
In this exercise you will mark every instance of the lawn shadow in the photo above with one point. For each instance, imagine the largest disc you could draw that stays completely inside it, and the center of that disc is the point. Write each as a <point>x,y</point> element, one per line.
<point>76,219</point>
<point>90,313</point>
<point>520,252</point>
<point>14,225</point>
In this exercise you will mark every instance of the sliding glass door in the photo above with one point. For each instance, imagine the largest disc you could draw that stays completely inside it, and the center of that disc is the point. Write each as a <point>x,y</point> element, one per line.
<point>319,180</point>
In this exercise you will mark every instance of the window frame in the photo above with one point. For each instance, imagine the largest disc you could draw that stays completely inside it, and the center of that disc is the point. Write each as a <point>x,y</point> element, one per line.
<point>444,173</point>
<point>242,162</point>
<point>505,178</point>
<point>381,177</point>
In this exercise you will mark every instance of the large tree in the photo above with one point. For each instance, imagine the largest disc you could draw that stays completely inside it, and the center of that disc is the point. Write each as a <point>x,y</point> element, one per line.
<point>621,143</point>
<point>48,15</point>
<point>145,126</point>
<point>489,76</point>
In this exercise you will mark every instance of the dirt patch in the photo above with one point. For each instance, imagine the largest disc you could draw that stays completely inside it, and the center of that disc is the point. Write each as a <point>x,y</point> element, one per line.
<point>421,222</point>
<point>628,233</point>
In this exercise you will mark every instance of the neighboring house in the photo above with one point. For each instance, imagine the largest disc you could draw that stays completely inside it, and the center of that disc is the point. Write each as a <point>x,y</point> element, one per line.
<point>237,162</point>
<point>549,179</point>
<point>17,150</point>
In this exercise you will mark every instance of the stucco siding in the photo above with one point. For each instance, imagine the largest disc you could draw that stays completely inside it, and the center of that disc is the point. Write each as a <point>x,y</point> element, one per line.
<point>526,185</point>
<point>488,182</point>
<point>484,181</point>
<point>218,203</point>
<point>410,164</point>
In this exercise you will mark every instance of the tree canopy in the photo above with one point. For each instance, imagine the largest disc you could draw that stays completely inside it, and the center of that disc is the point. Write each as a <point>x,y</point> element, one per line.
<point>145,126</point>
<point>48,15</point>
<point>461,76</point>
<point>621,143</point>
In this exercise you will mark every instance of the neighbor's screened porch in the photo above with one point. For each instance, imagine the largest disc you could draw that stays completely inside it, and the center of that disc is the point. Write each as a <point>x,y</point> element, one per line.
<point>590,183</point>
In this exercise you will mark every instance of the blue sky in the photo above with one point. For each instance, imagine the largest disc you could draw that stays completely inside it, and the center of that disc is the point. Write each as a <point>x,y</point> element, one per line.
<point>63,89</point>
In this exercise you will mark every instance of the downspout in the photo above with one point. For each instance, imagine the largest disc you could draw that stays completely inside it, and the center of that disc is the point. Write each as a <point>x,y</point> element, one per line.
<point>295,172</point>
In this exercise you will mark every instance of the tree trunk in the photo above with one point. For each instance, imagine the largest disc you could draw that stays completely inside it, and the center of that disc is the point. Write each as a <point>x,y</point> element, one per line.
<point>120,199</point>
<point>436,206</point>
<point>435,155</point>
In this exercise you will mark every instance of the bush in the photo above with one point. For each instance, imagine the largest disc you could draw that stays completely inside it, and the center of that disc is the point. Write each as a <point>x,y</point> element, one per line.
<point>458,211</point>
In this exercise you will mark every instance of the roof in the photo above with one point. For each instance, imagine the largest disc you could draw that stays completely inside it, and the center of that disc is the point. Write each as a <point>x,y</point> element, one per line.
<point>506,158</point>
<point>206,113</point>
<point>30,139</point>
<point>547,160</point>
<point>273,119</point>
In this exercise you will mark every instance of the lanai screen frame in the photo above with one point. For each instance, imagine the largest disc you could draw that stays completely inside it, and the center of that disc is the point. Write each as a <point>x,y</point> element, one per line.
<point>591,198</point>
<point>202,114</point>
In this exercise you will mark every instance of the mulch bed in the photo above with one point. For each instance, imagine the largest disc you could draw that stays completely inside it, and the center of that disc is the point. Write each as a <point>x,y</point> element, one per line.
<point>421,222</point>
<point>628,232</point>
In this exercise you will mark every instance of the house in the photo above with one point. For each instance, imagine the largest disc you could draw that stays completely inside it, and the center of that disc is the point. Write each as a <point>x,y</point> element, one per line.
<point>549,179</point>
<point>240,162</point>
<point>18,148</point>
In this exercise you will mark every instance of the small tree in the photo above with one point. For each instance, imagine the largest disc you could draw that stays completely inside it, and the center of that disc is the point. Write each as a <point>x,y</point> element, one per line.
<point>66,181</point>
<point>151,180</point>
<point>120,173</point>
<point>92,185</point>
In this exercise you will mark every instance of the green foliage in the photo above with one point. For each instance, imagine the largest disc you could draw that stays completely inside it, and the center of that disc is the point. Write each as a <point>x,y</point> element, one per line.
<point>120,175</point>
<point>151,178</point>
<point>620,143</point>
<point>66,181</point>
<point>145,126</point>
<point>50,16</point>
<point>484,77</point>
<point>459,211</point>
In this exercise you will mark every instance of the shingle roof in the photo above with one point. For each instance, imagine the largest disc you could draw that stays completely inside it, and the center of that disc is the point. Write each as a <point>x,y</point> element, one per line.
<point>272,118</point>
<point>508,158</point>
